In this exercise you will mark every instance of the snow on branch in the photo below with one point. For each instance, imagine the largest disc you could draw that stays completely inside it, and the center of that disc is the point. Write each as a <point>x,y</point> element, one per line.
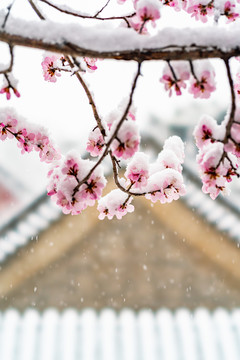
<point>122,43</point>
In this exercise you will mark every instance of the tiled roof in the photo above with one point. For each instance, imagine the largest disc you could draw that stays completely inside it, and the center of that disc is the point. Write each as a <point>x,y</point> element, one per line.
<point>127,335</point>
<point>25,226</point>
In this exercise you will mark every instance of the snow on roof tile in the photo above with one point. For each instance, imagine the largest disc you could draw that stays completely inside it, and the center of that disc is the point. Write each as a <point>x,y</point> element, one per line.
<point>88,335</point>
<point>36,217</point>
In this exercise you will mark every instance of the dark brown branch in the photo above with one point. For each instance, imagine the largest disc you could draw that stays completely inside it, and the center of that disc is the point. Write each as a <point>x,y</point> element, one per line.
<point>106,151</point>
<point>171,52</point>
<point>95,17</point>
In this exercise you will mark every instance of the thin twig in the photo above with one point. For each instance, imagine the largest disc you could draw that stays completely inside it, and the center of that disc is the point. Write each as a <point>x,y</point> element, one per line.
<point>192,71</point>
<point>37,11</point>
<point>9,69</point>
<point>233,106</point>
<point>104,7</point>
<point>9,8</point>
<point>172,71</point>
<point>232,112</point>
<point>73,13</point>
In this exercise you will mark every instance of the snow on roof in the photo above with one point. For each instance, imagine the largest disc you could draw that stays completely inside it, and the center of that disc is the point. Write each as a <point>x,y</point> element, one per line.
<point>27,224</point>
<point>88,335</point>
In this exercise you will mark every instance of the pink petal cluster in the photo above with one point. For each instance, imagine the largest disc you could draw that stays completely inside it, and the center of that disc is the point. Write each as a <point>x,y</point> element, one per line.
<point>217,159</point>
<point>127,141</point>
<point>165,186</point>
<point>29,138</point>
<point>166,182</point>
<point>201,9</point>
<point>50,66</point>
<point>95,142</point>
<point>115,203</point>
<point>229,12</point>
<point>203,84</point>
<point>91,63</point>
<point>208,131</point>
<point>214,173</point>
<point>6,90</point>
<point>137,171</point>
<point>182,73</point>
<point>148,10</point>
<point>175,4</point>
<point>64,187</point>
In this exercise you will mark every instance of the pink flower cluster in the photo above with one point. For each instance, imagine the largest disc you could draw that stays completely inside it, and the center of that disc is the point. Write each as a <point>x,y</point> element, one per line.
<point>203,84</point>
<point>146,11</point>
<point>95,143</point>
<point>165,182</point>
<point>127,140</point>
<point>161,181</point>
<point>198,9</point>
<point>67,188</point>
<point>217,158</point>
<point>116,203</point>
<point>202,79</point>
<point>50,66</point>
<point>29,138</point>
<point>91,63</point>
<point>175,79</point>
<point>10,84</point>
<point>137,171</point>
<point>53,65</point>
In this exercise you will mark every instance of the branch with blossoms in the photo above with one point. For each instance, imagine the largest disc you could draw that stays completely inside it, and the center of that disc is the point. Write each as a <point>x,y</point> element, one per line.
<point>76,183</point>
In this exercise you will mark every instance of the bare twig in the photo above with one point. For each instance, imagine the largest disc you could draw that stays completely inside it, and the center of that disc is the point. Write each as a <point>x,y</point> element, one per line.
<point>9,8</point>
<point>73,13</point>
<point>232,112</point>
<point>9,68</point>
<point>193,71</point>
<point>37,11</point>
<point>172,71</point>
<point>104,7</point>
<point>233,106</point>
